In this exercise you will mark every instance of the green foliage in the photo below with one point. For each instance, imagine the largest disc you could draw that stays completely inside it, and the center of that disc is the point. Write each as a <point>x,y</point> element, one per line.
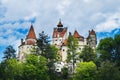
<point>51,52</point>
<point>72,47</point>
<point>65,73</point>
<point>117,49</point>
<point>108,71</point>
<point>12,69</point>
<point>109,49</point>
<point>35,68</point>
<point>42,42</point>
<point>88,54</point>
<point>85,71</point>
<point>9,53</point>
<point>40,67</point>
<point>105,48</point>
<point>48,51</point>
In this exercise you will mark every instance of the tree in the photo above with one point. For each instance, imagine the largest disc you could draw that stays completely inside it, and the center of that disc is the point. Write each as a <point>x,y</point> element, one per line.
<point>35,68</point>
<point>108,71</point>
<point>42,42</point>
<point>65,73</point>
<point>116,44</point>
<point>51,54</point>
<point>12,69</point>
<point>109,49</point>
<point>9,53</point>
<point>85,71</point>
<point>48,51</point>
<point>88,54</point>
<point>72,50</point>
<point>105,48</point>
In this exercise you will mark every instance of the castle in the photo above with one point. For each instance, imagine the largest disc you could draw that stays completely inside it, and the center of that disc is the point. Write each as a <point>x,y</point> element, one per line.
<point>27,44</point>
<point>59,39</point>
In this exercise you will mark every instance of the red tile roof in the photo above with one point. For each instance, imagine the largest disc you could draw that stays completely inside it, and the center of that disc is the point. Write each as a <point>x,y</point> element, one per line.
<point>59,34</point>
<point>92,32</point>
<point>30,42</point>
<point>31,33</point>
<point>76,35</point>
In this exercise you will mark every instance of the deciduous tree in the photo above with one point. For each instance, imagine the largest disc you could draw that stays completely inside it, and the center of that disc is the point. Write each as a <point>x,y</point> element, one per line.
<point>108,71</point>
<point>85,71</point>
<point>35,68</point>
<point>11,70</point>
<point>88,54</point>
<point>72,50</point>
<point>109,49</point>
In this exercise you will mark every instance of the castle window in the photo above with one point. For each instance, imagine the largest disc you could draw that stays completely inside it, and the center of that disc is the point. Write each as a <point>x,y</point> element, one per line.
<point>79,48</point>
<point>56,40</point>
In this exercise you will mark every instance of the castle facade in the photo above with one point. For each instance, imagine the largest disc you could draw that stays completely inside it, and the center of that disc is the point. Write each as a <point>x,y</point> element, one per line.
<point>59,39</point>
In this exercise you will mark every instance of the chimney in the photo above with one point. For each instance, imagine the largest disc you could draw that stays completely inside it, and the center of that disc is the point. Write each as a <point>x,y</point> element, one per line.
<point>21,41</point>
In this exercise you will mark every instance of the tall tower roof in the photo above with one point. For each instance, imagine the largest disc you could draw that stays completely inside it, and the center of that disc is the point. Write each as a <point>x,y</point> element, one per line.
<point>31,33</point>
<point>60,24</point>
<point>76,34</point>
<point>92,32</point>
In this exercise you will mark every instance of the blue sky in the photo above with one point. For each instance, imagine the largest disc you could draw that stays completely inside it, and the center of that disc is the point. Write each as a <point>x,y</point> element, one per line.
<point>16,16</point>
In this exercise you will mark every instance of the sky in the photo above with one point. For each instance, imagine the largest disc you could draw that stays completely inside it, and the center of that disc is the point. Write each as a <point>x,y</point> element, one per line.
<point>16,17</point>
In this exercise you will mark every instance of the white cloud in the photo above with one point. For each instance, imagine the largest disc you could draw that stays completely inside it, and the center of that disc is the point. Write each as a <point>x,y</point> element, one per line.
<point>75,14</point>
<point>62,6</point>
<point>111,23</point>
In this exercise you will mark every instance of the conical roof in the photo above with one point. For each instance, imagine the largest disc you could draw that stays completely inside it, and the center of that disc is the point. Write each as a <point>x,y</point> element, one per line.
<point>31,33</point>
<point>60,24</point>
<point>92,32</point>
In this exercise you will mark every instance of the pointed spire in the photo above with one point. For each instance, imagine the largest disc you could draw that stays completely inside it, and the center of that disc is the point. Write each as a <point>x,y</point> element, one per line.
<point>60,24</point>
<point>76,34</point>
<point>31,33</point>
<point>92,32</point>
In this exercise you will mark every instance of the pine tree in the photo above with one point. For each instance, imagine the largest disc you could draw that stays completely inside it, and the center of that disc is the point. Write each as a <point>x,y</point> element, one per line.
<point>42,43</point>
<point>9,53</point>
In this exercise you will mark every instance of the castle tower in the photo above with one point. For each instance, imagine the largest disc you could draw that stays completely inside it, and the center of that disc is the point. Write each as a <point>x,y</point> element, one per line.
<point>77,35</point>
<point>27,45</point>
<point>59,34</point>
<point>81,40</point>
<point>92,39</point>
<point>59,38</point>
<point>31,37</point>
